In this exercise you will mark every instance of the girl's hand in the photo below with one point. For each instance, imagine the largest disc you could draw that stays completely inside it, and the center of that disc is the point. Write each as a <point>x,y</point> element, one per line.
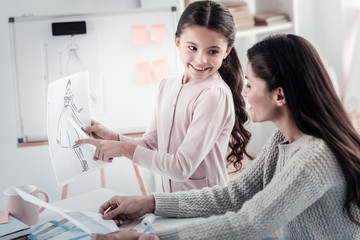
<point>107,150</point>
<point>122,208</point>
<point>101,132</point>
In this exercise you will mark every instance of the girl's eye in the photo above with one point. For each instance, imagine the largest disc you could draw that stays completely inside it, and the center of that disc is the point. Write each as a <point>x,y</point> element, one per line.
<point>247,86</point>
<point>213,52</point>
<point>192,48</point>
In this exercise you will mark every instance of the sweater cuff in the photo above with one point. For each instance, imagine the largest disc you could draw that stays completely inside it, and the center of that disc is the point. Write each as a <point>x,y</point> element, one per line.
<point>167,234</point>
<point>166,204</point>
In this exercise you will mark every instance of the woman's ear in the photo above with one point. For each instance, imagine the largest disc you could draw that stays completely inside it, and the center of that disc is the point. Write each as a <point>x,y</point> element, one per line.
<point>177,41</point>
<point>280,96</point>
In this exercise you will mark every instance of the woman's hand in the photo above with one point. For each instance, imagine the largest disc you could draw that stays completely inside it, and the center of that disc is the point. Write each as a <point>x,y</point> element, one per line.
<point>107,150</point>
<point>101,132</point>
<point>122,208</point>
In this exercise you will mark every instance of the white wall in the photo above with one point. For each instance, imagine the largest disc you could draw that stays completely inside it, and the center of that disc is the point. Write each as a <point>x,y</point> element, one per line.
<point>351,56</point>
<point>334,29</point>
<point>320,22</point>
<point>32,165</point>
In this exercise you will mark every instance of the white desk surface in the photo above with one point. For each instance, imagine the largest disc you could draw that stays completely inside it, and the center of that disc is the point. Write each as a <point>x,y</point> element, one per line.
<point>91,201</point>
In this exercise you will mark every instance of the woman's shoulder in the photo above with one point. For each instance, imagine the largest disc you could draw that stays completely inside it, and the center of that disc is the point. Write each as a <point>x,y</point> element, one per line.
<point>317,148</point>
<point>317,157</point>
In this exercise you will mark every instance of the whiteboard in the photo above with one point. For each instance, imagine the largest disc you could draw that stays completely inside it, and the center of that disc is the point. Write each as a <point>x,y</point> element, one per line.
<point>109,53</point>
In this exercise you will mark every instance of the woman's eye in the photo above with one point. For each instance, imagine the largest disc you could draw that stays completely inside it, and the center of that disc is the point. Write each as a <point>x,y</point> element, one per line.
<point>247,86</point>
<point>192,48</point>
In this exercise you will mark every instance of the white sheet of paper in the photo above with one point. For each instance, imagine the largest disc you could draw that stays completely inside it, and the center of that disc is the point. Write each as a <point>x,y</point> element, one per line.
<point>90,222</point>
<point>68,111</point>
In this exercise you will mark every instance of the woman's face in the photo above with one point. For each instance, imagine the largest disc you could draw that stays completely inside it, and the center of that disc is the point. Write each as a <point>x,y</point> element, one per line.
<point>262,103</point>
<point>201,51</point>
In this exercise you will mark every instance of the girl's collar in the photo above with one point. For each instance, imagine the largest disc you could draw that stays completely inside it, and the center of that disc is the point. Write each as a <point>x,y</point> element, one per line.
<point>193,82</point>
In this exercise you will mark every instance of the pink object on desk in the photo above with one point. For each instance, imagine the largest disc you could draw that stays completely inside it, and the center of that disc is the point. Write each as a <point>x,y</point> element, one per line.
<point>24,211</point>
<point>4,217</point>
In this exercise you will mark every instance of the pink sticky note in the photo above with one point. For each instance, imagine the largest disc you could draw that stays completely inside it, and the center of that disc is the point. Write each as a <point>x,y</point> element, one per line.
<point>157,32</point>
<point>143,72</point>
<point>139,34</point>
<point>4,217</point>
<point>160,69</point>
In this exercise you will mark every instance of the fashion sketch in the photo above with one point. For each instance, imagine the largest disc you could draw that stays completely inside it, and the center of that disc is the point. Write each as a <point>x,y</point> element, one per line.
<point>69,127</point>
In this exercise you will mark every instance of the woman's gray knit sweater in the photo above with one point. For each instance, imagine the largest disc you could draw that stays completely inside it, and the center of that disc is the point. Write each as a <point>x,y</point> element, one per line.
<point>296,190</point>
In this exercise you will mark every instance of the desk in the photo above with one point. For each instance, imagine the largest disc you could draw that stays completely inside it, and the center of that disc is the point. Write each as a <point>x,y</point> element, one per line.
<point>91,201</point>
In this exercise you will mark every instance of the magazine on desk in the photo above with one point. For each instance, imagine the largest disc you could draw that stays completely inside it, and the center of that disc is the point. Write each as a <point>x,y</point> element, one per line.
<point>13,228</point>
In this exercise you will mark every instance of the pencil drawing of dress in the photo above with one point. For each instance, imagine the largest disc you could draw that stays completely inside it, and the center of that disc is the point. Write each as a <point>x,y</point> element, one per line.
<point>68,125</point>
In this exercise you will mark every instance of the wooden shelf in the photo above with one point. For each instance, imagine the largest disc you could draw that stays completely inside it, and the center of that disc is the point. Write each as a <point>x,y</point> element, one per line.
<point>32,144</point>
<point>264,29</point>
<point>40,143</point>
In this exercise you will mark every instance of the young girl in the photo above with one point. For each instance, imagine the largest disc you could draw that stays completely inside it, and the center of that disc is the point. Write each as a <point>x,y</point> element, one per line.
<point>188,138</point>
<point>305,183</point>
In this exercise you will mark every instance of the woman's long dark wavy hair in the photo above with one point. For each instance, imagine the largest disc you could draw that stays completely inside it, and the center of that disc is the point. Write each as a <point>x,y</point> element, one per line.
<point>216,17</point>
<point>291,62</point>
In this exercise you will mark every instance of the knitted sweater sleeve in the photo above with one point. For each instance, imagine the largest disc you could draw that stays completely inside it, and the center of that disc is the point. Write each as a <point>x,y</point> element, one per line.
<point>289,193</point>
<point>218,200</point>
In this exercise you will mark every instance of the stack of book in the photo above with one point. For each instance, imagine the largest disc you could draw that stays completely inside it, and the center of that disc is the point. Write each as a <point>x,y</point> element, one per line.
<point>242,17</point>
<point>265,19</point>
<point>11,228</point>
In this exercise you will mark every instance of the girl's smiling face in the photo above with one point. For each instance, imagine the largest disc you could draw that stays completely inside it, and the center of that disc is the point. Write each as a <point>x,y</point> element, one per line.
<point>201,51</point>
<point>262,102</point>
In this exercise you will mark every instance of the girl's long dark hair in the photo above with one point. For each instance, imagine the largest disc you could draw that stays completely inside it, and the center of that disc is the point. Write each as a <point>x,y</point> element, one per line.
<point>291,62</point>
<point>217,17</point>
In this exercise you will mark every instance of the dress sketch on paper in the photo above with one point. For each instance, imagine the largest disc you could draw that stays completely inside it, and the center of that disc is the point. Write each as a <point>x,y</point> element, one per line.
<point>69,127</point>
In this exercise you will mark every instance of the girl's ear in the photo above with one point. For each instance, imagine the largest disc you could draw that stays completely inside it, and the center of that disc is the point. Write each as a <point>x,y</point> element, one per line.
<point>227,52</point>
<point>177,41</point>
<point>280,96</point>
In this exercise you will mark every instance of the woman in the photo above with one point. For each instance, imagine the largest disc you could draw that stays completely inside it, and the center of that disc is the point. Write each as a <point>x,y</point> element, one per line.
<point>305,183</point>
